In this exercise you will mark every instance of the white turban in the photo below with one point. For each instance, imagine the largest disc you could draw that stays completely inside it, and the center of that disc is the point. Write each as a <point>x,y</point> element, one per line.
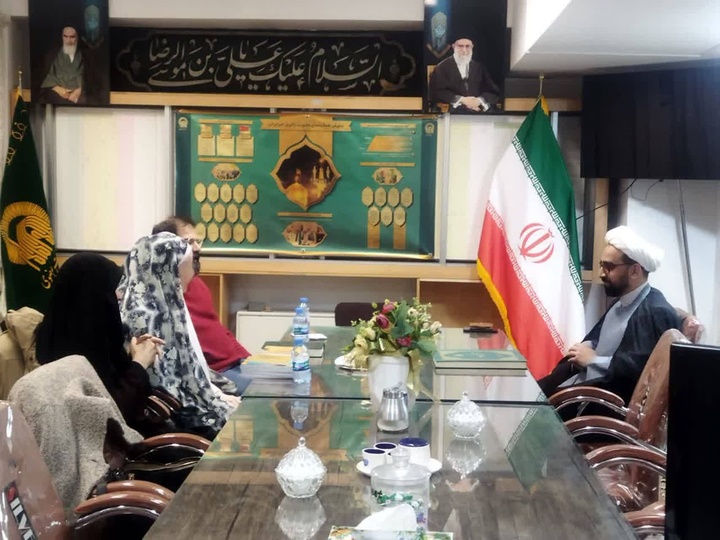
<point>646,254</point>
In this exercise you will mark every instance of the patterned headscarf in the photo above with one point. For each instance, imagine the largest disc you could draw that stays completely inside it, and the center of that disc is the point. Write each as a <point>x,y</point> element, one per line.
<point>152,302</point>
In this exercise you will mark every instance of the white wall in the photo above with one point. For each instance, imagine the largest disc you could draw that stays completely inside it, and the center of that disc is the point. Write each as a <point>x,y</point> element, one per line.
<point>653,210</point>
<point>530,19</point>
<point>306,14</point>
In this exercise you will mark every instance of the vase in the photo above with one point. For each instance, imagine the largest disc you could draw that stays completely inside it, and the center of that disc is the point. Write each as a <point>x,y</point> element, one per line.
<point>386,371</point>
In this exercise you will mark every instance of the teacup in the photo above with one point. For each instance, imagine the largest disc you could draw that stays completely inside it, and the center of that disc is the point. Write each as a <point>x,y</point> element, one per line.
<point>386,446</point>
<point>418,449</point>
<point>373,457</point>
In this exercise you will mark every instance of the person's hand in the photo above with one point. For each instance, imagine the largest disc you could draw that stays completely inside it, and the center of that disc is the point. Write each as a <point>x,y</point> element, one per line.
<point>232,401</point>
<point>61,91</point>
<point>581,354</point>
<point>74,96</point>
<point>471,103</point>
<point>145,349</point>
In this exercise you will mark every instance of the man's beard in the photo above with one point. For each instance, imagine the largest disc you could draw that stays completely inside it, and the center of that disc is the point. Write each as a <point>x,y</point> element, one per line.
<point>196,262</point>
<point>462,62</point>
<point>70,50</point>
<point>614,290</point>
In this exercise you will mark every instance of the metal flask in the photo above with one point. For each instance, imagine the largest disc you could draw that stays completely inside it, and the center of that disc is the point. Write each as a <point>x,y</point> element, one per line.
<point>393,413</point>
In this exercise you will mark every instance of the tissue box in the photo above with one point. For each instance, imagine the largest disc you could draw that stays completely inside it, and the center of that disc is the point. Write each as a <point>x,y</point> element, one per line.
<point>351,533</point>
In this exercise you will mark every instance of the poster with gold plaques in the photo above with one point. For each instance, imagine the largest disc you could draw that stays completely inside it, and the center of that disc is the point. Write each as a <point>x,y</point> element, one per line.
<point>309,184</point>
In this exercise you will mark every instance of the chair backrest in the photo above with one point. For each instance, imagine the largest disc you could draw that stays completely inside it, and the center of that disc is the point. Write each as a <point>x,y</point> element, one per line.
<point>647,409</point>
<point>691,328</point>
<point>17,346</point>
<point>29,500</point>
<point>347,312</point>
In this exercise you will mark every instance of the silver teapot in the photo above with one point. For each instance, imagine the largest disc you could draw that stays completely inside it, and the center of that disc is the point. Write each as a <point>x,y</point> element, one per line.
<point>393,413</point>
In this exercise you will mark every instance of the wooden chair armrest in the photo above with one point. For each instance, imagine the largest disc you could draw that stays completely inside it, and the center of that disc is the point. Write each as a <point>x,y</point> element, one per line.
<point>643,521</point>
<point>140,486</point>
<point>157,408</point>
<point>169,400</point>
<point>618,454</point>
<point>603,425</point>
<point>588,394</point>
<point>186,439</point>
<point>128,498</point>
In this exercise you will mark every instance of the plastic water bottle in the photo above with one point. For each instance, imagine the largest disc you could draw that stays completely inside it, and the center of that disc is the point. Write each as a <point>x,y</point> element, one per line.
<point>300,361</point>
<point>306,309</point>
<point>300,325</point>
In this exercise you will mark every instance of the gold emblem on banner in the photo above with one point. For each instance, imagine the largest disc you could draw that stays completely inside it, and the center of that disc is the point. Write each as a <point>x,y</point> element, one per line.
<point>251,193</point>
<point>226,172</point>
<point>239,233</point>
<point>367,196</point>
<point>200,192</point>
<point>251,233</point>
<point>373,234</point>
<point>391,144</point>
<point>232,213</point>
<point>387,175</point>
<point>393,198</point>
<point>406,197</point>
<point>374,215</point>
<point>213,232</point>
<point>304,234</point>
<point>225,141</point>
<point>206,212</point>
<point>219,213</point>
<point>399,216</point>
<point>399,236</point>
<point>246,213</point>
<point>380,196</point>
<point>225,232</point>
<point>201,231</point>
<point>245,145</point>
<point>386,216</point>
<point>206,140</point>
<point>225,193</point>
<point>305,173</point>
<point>213,193</point>
<point>239,193</point>
<point>183,122</point>
<point>429,128</point>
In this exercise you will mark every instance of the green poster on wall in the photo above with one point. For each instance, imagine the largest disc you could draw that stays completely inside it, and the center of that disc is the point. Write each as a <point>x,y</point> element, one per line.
<point>309,184</point>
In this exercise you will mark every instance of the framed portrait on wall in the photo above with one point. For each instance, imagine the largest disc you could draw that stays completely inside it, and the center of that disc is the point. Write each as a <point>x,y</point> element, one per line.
<point>466,55</point>
<point>69,52</point>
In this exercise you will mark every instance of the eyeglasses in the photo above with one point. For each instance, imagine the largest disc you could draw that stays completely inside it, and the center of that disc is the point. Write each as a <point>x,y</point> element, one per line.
<point>610,266</point>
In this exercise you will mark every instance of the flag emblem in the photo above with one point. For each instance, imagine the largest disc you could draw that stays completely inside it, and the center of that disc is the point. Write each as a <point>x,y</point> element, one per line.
<point>536,243</point>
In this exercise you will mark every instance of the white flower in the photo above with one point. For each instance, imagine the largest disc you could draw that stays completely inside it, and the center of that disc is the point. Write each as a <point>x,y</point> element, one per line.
<point>360,342</point>
<point>435,327</point>
<point>368,333</point>
<point>412,312</point>
<point>426,325</point>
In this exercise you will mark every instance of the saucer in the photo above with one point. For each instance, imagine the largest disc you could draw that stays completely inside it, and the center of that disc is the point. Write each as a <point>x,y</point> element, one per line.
<point>342,363</point>
<point>433,466</point>
<point>316,336</point>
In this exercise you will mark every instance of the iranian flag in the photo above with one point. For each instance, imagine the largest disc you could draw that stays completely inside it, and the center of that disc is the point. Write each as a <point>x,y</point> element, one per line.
<point>528,254</point>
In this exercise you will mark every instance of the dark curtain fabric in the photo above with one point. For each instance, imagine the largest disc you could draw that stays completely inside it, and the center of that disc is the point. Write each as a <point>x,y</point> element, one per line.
<point>654,124</point>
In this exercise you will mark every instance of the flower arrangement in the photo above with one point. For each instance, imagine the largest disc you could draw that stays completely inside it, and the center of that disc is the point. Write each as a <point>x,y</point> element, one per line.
<point>402,328</point>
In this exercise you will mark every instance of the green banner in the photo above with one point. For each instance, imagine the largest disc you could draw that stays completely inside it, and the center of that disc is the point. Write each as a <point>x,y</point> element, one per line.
<point>309,184</point>
<point>28,245</point>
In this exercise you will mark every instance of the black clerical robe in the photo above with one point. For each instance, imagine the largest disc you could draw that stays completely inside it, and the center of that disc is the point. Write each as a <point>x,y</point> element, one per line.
<point>447,85</point>
<point>651,319</point>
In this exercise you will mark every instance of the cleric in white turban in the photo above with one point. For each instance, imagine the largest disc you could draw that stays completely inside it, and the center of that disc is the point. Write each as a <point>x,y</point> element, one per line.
<point>614,353</point>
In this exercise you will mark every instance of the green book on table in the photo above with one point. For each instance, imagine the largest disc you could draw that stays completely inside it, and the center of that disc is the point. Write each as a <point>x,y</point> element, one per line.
<point>487,359</point>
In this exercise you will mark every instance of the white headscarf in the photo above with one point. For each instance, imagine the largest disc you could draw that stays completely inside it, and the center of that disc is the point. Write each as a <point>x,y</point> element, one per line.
<point>152,302</point>
<point>648,255</point>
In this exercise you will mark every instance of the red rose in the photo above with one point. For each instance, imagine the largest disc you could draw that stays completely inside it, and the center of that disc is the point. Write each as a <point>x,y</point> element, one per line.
<point>388,307</point>
<point>382,321</point>
<point>405,341</point>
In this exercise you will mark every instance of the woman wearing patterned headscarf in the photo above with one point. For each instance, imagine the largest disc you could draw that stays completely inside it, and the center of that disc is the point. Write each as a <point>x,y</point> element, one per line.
<point>156,272</point>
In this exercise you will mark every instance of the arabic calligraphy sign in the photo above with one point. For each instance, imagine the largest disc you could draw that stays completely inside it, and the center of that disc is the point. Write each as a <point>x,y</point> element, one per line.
<point>262,63</point>
<point>308,183</point>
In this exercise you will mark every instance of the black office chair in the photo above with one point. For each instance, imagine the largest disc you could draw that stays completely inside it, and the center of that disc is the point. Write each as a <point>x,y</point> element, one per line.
<point>347,312</point>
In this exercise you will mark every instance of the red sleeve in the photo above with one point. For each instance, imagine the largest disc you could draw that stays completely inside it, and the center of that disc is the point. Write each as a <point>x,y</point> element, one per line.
<point>220,347</point>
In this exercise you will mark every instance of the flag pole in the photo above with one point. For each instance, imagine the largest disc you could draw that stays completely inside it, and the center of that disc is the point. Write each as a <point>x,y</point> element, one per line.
<point>18,94</point>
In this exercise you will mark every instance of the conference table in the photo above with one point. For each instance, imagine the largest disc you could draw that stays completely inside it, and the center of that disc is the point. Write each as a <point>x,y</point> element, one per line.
<point>523,477</point>
<point>486,386</point>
